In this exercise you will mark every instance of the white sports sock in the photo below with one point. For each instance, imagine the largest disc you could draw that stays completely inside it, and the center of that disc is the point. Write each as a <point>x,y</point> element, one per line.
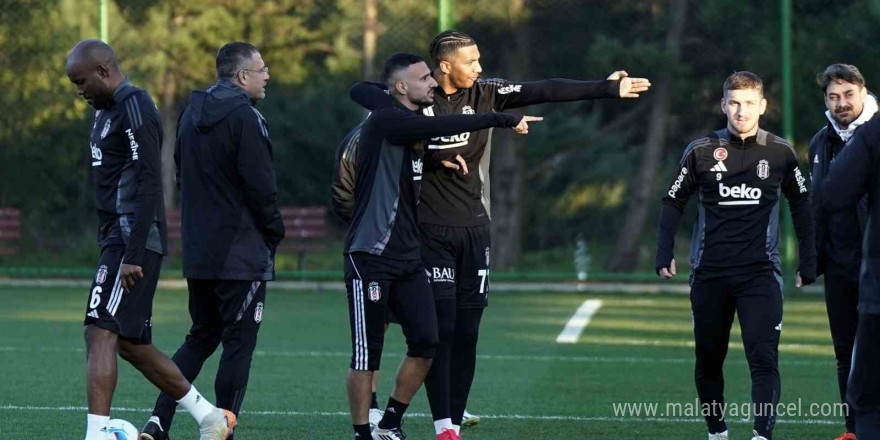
<point>457,429</point>
<point>196,405</point>
<point>440,425</point>
<point>95,429</point>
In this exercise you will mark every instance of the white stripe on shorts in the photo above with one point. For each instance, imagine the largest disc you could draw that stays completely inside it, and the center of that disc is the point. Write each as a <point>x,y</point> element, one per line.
<point>361,355</point>
<point>116,294</point>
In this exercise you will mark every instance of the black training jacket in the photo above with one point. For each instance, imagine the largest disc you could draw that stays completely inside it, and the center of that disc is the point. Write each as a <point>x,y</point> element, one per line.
<point>838,234</point>
<point>125,147</point>
<point>390,169</point>
<point>231,224</point>
<point>853,175</point>
<point>739,184</point>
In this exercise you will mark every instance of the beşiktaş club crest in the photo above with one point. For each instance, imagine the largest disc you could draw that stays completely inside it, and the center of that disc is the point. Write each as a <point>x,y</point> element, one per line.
<point>106,129</point>
<point>763,169</point>
<point>374,291</point>
<point>720,153</point>
<point>467,110</point>
<point>258,313</point>
<point>101,275</point>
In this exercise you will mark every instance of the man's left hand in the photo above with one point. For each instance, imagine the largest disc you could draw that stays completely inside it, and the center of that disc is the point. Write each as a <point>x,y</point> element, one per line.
<point>130,274</point>
<point>630,87</point>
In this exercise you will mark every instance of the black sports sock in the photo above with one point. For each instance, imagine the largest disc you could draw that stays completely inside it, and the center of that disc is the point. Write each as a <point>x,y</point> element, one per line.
<point>374,403</point>
<point>362,432</point>
<point>393,414</point>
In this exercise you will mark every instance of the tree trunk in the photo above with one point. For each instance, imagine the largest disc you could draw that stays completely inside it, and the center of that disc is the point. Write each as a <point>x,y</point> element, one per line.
<point>371,25</point>
<point>642,205</point>
<point>507,167</point>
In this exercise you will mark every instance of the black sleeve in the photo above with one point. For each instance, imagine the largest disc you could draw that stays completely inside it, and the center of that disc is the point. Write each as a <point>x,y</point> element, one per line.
<point>344,176</point>
<point>794,186</point>
<point>684,184</point>
<point>512,95</point>
<point>371,95</point>
<point>254,164</point>
<point>143,128</point>
<point>847,177</point>
<point>402,125</point>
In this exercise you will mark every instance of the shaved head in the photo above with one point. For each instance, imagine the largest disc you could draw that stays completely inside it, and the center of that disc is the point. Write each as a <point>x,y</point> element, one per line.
<point>93,67</point>
<point>93,52</point>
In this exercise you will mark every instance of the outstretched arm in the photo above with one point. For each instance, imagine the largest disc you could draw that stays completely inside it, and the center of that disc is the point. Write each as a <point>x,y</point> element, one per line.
<point>618,85</point>
<point>402,125</point>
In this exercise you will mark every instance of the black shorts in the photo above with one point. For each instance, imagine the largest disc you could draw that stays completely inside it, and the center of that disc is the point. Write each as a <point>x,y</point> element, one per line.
<point>377,285</point>
<point>128,314</point>
<point>458,261</point>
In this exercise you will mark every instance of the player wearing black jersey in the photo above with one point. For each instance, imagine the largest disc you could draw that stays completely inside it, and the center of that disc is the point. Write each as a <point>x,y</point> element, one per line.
<point>382,256</point>
<point>739,174</point>
<point>454,211</point>
<point>124,145</point>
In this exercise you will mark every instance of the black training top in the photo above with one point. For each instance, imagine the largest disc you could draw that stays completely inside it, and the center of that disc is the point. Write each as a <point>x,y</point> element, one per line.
<point>127,170</point>
<point>739,184</point>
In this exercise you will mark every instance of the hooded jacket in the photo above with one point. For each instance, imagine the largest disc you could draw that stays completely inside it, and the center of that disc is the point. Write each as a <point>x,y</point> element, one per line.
<point>231,224</point>
<point>838,234</point>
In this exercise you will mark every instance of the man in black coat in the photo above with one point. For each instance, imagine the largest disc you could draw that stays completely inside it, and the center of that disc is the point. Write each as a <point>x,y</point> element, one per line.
<point>839,234</point>
<point>231,225</point>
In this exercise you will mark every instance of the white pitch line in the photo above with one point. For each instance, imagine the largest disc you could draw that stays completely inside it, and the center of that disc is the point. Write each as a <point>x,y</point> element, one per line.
<point>581,318</point>
<point>490,357</point>
<point>425,415</point>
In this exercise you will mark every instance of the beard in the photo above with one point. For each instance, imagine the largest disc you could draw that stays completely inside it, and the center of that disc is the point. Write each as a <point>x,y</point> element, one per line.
<point>844,115</point>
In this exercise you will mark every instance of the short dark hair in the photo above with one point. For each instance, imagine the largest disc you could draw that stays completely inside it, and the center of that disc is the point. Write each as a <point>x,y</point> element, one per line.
<point>840,72</point>
<point>232,57</point>
<point>397,62</point>
<point>743,80</point>
<point>446,43</point>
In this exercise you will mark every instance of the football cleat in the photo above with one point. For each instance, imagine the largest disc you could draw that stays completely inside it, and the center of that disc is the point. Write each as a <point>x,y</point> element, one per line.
<point>469,420</point>
<point>719,436</point>
<point>218,425</point>
<point>448,434</point>
<point>846,436</point>
<point>375,417</point>
<point>153,430</point>
<point>388,434</point>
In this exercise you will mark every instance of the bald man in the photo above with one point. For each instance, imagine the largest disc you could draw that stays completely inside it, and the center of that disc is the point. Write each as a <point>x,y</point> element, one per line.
<point>124,144</point>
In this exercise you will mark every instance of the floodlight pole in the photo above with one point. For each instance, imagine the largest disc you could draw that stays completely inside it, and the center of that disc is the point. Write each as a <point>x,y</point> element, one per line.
<point>445,15</point>
<point>102,13</point>
<point>788,244</point>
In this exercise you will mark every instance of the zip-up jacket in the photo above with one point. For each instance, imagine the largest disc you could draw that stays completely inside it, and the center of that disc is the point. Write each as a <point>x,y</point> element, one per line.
<point>389,173</point>
<point>852,175</point>
<point>125,146</point>
<point>451,199</point>
<point>739,184</point>
<point>231,224</point>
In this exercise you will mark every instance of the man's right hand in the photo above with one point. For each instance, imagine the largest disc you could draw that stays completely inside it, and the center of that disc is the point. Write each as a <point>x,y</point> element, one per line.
<point>461,166</point>
<point>668,272</point>
<point>523,126</point>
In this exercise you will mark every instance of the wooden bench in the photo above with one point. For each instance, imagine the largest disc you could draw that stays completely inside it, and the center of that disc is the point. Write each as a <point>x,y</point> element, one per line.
<point>303,225</point>
<point>10,230</point>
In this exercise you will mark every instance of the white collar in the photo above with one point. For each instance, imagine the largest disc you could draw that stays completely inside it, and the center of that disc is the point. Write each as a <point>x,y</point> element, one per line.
<point>868,112</point>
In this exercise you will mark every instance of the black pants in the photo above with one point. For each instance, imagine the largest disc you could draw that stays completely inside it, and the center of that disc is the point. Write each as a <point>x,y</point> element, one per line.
<point>757,299</point>
<point>863,390</point>
<point>227,311</point>
<point>842,300</point>
<point>458,261</point>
